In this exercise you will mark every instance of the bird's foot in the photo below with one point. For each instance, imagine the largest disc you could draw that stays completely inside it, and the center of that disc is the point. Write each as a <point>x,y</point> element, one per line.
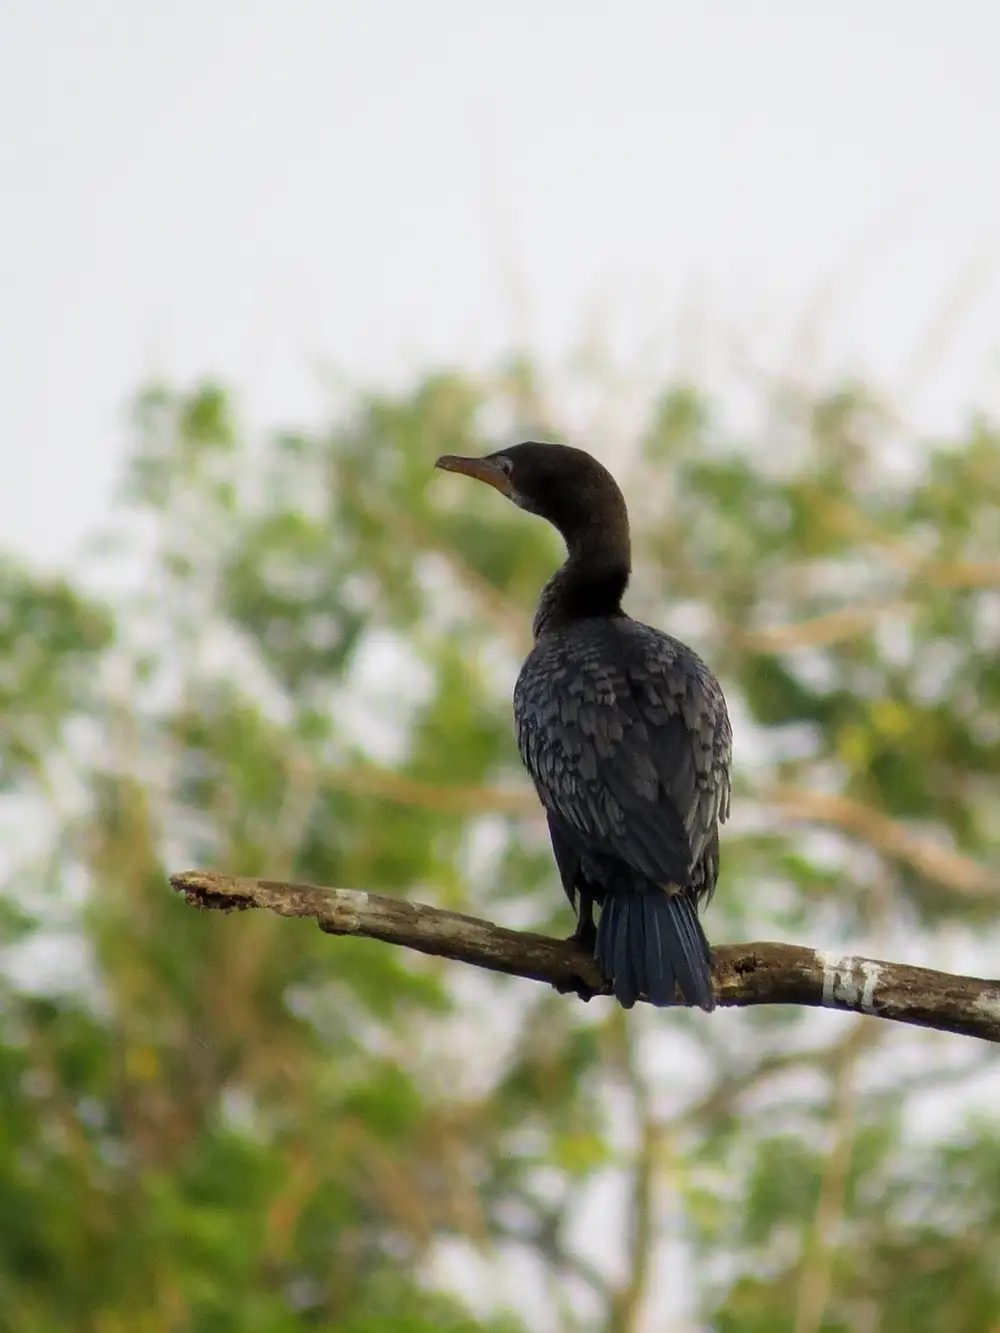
<point>584,939</point>
<point>577,986</point>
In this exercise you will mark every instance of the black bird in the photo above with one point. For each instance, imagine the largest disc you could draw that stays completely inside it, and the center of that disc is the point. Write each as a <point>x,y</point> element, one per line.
<point>625,733</point>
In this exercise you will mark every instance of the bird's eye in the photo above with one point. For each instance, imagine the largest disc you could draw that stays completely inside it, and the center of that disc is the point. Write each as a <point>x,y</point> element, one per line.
<point>505,464</point>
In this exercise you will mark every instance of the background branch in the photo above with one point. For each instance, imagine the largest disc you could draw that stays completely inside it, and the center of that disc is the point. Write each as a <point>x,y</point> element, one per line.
<point>744,974</point>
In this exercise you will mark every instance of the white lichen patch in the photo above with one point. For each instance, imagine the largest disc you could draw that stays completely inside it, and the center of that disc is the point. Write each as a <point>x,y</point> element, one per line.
<point>848,982</point>
<point>988,1003</point>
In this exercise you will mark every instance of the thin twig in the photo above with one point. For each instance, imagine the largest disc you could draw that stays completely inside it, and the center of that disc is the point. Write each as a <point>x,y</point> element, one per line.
<point>823,631</point>
<point>949,318</point>
<point>625,1306</point>
<point>969,574</point>
<point>821,1242</point>
<point>818,631</point>
<point>442,798</point>
<point>959,873</point>
<point>504,614</point>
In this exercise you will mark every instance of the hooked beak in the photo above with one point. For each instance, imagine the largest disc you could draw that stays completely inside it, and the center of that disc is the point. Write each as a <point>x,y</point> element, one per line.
<point>482,469</point>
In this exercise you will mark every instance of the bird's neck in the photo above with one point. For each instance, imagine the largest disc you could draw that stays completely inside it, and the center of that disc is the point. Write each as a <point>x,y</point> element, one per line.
<point>591,583</point>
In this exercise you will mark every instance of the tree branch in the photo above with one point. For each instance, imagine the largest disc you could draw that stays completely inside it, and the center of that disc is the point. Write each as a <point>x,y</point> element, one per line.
<point>957,872</point>
<point>744,974</point>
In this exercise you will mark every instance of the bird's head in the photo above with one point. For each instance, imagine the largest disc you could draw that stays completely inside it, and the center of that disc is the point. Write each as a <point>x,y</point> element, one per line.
<point>566,486</point>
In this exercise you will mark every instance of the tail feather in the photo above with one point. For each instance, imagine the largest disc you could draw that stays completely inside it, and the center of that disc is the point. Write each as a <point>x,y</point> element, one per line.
<point>650,942</point>
<point>625,964</point>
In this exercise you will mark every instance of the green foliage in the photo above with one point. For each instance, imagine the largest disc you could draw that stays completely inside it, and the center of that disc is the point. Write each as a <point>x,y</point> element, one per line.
<point>50,640</point>
<point>241,1124</point>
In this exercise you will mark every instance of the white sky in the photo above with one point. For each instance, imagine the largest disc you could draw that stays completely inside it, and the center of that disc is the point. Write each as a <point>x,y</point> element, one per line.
<point>255,189</point>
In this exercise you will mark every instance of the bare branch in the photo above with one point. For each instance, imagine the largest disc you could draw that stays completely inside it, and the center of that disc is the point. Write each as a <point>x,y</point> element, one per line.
<point>447,799</point>
<point>625,1306</point>
<point>744,974</point>
<point>823,1235</point>
<point>959,873</point>
<point>818,631</point>
<point>970,574</point>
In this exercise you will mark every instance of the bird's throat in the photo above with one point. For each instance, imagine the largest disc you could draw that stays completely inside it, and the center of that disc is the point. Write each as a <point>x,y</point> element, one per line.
<point>582,589</point>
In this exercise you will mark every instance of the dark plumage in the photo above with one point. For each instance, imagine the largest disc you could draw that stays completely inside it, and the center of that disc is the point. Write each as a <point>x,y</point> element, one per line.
<point>625,733</point>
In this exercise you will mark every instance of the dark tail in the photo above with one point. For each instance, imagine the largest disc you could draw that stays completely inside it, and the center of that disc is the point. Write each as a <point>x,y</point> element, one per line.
<point>649,942</point>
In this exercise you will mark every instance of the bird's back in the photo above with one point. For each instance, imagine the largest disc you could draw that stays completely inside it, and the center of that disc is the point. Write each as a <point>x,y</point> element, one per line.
<point>625,733</point>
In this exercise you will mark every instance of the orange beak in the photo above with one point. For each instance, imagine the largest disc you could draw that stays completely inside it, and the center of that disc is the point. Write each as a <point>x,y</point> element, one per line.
<point>482,469</point>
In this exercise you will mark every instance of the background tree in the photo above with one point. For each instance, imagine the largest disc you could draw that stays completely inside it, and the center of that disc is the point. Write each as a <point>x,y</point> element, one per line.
<point>295,660</point>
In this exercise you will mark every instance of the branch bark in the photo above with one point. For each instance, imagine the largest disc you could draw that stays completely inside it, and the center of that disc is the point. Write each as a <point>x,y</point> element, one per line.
<point>744,974</point>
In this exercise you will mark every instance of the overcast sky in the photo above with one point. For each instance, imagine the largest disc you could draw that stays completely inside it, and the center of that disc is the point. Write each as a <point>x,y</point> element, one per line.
<point>254,189</point>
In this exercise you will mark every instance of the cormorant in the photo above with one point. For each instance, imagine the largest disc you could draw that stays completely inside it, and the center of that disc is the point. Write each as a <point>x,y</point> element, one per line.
<point>625,734</point>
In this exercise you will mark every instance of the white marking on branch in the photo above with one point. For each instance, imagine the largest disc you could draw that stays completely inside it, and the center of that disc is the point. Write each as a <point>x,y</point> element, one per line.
<point>842,987</point>
<point>352,905</point>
